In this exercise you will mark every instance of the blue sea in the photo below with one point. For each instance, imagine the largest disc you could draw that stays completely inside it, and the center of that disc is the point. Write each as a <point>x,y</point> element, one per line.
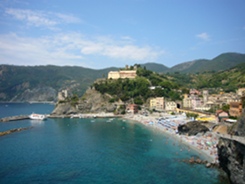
<point>92,151</point>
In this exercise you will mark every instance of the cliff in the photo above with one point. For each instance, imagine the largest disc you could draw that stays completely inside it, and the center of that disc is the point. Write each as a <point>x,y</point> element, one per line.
<point>91,102</point>
<point>231,157</point>
<point>231,153</point>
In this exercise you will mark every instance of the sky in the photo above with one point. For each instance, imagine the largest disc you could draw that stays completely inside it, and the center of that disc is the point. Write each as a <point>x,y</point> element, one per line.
<point>113,33</point>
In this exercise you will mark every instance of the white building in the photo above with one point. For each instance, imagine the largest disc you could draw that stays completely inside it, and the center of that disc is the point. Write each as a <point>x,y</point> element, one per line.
<point>170,106</point>
<point>157,103</point>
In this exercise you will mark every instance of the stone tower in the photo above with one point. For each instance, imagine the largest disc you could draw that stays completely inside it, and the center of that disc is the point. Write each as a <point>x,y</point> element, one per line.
<point>205,96</point>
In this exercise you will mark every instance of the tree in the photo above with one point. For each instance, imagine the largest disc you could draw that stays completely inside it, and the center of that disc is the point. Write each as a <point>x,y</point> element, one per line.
<point>226,107</point>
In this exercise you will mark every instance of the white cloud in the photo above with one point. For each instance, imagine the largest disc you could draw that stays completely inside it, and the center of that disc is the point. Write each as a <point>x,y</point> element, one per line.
<point>203,36</point>
<point>41,18</point>
<point>67,18</point>
<point>131,52</point>
<point>119,49</point>
<point>70,49</point>
<point>34,51</point>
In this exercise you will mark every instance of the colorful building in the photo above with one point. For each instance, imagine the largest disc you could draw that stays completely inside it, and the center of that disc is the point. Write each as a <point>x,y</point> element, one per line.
<point>132,108</point>
<point>235,109</point>
<point>157,103</point>
<point>221,115</point>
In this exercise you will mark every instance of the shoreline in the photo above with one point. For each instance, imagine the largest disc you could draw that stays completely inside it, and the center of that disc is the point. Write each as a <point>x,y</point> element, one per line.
<point>192,142</point>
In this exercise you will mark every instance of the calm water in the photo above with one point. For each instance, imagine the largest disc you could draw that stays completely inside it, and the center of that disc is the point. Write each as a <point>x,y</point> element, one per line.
<point>92,151</point>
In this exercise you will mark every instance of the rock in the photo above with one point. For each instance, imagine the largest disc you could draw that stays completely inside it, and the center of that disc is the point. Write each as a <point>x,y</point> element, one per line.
<point>91,102</point>
<point>192,128</point>
<point>208,165</point>
<point>240,128</point>
<point>95,102</point>
<point>64,109</point>
<point>231,159</point>
<point>13,130</point>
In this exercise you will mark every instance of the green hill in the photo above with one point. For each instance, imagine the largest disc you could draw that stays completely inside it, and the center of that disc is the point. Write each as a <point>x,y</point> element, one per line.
<point>227,80</point>
<point>222,62</point>
<point>16,81</point>
<point>159,68</point>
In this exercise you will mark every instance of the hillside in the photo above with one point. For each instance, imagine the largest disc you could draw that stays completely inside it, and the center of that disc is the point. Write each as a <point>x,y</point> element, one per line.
<point>159,68</point>
<point>42,83</point>
<point>189,67</point>
<point>228,80</point>
<point>222,62</point>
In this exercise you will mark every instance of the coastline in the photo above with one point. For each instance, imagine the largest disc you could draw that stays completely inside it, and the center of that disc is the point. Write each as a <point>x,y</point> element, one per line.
<point>192,142</point>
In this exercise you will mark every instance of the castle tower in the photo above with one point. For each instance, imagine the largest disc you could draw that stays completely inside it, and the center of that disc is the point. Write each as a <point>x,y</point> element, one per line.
<point>205,96</point>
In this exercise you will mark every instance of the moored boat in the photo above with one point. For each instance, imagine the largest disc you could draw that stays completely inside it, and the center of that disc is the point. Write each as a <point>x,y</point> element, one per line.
<point>37,116</point>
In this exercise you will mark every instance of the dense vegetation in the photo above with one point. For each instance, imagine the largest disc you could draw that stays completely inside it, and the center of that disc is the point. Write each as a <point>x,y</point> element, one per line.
<point>138,90</point>
<point>227,81</point>
<point>171,86</point>
<point>15,80</point>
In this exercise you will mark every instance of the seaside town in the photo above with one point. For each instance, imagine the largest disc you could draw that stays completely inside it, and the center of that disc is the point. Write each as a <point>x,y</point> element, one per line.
<point>130,91</point>
<point>203,121</point>
<point>172,117</point>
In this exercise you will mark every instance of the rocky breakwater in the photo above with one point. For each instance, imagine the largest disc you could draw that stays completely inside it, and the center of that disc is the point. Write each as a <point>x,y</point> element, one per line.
<point>91,102</point>
<point>13,130</point>
<point>231,152</point>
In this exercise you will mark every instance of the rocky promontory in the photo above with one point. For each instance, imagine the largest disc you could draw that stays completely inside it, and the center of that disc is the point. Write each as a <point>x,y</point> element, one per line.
<point>192,128</point>
<point>91,102</point>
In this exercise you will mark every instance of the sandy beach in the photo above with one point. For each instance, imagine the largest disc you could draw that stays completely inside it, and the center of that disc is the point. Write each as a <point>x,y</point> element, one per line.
<point>203,144</point>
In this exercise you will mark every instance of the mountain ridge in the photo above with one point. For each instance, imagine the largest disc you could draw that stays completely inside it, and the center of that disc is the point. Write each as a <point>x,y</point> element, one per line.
<point>25,83</point>
<point>219,63</point>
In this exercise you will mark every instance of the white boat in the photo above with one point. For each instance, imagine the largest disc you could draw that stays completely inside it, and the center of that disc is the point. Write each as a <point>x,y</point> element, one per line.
<point>37,116</point>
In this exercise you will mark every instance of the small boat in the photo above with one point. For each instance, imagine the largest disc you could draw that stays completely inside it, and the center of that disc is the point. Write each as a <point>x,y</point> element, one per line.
<point>37,116</point>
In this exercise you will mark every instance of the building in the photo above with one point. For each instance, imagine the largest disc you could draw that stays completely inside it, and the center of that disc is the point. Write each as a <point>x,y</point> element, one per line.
<point>187,102</point>
<point>132,108</point>
<point>113,75</point>
<point>235,109</point>
<point>241,92</point>
<point>195,101</point>
<point>123,74</point>
<point>157,103</point>
<point>62,95</point>
<point>221,115</point>
<point>170,106</point>
<point>194,92</point>
<point>131,74</point>
<point>205,96</point>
